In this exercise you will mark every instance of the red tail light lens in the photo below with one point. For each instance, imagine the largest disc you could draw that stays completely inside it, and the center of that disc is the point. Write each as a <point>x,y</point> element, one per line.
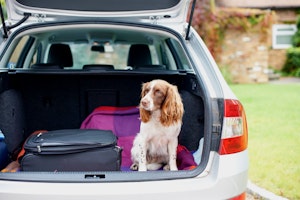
<point>240,197</point>
<point>234,132</point>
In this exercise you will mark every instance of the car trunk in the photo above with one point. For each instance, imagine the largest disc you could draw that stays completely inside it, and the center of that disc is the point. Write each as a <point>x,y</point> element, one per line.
<point>33,101</point>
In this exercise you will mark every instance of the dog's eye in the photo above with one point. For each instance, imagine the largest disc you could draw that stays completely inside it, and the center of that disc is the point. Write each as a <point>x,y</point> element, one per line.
<point>146,91</point>
<point>158,92</point>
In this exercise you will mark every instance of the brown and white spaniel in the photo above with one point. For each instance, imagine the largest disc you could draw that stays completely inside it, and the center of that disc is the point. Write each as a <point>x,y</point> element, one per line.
<point>161,112</point>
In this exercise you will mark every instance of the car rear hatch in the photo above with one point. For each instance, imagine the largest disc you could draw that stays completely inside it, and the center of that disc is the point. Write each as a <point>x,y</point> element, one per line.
<point>150,11</point>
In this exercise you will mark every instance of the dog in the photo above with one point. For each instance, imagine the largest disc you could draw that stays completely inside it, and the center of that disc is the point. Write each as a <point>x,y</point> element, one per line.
<point>161,110</point>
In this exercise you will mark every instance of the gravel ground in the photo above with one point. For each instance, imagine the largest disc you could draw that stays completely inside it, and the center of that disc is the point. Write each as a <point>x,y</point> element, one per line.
<point>252,197</point>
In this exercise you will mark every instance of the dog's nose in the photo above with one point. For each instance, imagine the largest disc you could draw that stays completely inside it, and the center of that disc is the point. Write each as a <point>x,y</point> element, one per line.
<point>144,102</point>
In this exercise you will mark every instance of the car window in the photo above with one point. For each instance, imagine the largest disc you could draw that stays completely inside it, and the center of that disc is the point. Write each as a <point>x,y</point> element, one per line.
<point>111,54</point>
<point>165,53</point>
<point>115,55</point>
<point>180,55</point>
<point>17,52</point>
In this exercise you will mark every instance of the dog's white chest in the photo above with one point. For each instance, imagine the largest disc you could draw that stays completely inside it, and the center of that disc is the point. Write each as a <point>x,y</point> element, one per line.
<point>157,130</point>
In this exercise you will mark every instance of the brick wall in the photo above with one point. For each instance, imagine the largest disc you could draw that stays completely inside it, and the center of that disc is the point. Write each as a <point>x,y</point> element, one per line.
<point>246,56</point>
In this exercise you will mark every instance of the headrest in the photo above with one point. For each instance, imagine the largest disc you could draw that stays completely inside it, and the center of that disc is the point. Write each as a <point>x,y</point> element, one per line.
<point>139,54</point>
<point>60,54</point>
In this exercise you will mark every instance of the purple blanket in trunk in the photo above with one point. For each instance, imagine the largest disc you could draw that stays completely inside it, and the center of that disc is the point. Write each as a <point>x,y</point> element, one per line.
<point>125,124</point>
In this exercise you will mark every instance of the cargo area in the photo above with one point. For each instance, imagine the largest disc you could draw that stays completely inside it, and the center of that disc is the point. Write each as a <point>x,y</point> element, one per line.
<point>33,100</point>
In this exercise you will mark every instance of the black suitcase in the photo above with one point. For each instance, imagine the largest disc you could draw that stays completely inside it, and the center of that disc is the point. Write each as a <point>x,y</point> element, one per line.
<point>72,150</point>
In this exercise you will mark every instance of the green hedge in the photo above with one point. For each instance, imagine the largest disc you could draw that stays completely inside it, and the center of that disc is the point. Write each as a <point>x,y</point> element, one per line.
<point>292,65</point>
<point>296,39</point>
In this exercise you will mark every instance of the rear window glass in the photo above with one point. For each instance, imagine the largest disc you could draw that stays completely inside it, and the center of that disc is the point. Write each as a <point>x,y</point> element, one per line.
<point>115,55</point>
<point>115,49</point>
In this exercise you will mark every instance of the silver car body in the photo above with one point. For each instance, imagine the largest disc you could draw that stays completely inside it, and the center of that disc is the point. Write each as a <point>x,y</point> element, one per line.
<point>219,176</point>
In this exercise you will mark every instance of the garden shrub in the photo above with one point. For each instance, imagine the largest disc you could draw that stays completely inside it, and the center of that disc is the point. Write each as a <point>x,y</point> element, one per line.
<point>292,64</point>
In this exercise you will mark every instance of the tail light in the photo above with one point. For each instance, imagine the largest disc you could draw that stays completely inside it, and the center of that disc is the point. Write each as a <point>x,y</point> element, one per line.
<point>235,132</point>
<point>242,196</point>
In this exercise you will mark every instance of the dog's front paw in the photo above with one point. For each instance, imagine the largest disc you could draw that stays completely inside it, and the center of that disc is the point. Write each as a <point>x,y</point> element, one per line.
<point>173,168</point>
<point>134,167</point>
<point>142,168</point>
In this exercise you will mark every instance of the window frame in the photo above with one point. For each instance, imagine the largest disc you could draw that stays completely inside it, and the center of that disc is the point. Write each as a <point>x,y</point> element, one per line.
<point>277,30</point>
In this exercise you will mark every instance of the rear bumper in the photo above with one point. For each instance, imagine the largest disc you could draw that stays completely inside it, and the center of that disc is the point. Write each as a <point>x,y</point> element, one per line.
<point>226,178</point>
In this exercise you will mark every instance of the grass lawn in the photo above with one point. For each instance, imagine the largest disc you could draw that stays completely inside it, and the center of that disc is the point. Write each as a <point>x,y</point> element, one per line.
<point>273,115</point>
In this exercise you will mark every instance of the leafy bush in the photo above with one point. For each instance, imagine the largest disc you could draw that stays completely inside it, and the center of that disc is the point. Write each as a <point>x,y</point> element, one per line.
<point>293,60</point>
<point>292,64</point>
<point>296,39</point>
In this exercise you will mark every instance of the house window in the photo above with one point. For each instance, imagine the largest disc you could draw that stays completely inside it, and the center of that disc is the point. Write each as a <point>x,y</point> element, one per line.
<point>282,35</point>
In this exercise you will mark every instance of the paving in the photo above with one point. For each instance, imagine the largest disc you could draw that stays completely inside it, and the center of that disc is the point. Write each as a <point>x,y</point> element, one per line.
<point>285,80</point>
<point>256,192</point>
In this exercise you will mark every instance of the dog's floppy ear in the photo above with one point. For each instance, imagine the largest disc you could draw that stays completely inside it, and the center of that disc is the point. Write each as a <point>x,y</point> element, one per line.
<point>144,114</point>
<point>172,108</point>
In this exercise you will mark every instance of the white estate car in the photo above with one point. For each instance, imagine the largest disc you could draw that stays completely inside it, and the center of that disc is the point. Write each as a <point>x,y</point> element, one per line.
<point>62,60</point>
